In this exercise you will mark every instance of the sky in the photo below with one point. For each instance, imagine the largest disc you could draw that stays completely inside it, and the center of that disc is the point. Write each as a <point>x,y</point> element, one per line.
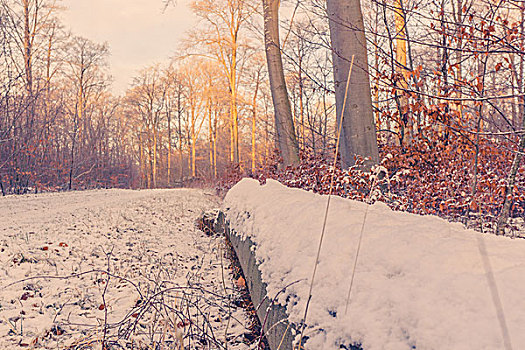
<point>138,32</point>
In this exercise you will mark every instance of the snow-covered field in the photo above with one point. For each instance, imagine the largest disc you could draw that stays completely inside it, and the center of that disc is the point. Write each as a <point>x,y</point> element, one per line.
<point>127,267</point>
<point>420,282</point>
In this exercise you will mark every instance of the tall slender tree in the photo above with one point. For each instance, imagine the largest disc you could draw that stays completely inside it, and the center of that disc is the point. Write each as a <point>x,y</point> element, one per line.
<point>286,139</point>
<point>358,134</point>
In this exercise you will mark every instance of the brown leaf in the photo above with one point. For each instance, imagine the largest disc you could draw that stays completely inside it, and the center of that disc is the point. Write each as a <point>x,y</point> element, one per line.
<point>241,283</point>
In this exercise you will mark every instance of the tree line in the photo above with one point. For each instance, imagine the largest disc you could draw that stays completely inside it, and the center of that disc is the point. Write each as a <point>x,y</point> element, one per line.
<point>58,121</point>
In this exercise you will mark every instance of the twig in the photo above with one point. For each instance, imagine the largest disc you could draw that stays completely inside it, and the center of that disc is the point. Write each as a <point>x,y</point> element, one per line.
<point>355,260</point>
<point>496,300</point>
<point>108,258</point>
<point>327,203</point>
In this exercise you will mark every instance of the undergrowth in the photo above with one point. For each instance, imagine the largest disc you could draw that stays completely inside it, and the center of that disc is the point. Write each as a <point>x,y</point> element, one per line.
<point>426,178</point>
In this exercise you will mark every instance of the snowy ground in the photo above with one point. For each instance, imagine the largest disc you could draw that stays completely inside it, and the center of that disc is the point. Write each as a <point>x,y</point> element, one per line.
<point>420,282</point>
<point>126,267</point>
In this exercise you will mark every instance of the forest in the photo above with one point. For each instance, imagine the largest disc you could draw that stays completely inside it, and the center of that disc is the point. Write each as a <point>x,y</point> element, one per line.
<point>416,103</point>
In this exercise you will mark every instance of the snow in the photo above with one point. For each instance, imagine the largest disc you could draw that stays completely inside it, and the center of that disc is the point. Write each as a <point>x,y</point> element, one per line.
<point>155,256</point>
<point>420,282</point>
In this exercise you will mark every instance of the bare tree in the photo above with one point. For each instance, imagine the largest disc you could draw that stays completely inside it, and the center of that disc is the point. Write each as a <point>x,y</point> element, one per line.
<point>86,63</point>
<point>226,19</point>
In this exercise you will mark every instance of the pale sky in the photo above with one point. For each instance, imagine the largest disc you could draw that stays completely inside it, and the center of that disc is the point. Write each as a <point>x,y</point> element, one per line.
<point>139,33</point>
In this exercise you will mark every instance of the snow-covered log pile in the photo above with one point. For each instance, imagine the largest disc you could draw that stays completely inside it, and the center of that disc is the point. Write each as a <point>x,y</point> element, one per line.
<point>420,282</point>
<point>272,316</point>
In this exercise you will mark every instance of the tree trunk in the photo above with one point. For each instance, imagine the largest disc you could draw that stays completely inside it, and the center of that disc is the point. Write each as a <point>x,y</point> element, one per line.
<point>521,104</point>
<point>358,134</point>
<point>458,78</point>
<point>254,119</point>
<point>169,144</point>
<point>301,95</point>
<point>190,172</point>
<point>376,68</point>
<point>193,136</point>
<point>511,183</point>
<point>215,146</point>
<point>234,113</point>
<point>72,166</point>
<point>142,162</point>
<point>179,116</point>
<point>402,73</point>
<point>154,169</point>
<point>210,129</point>
<point>232,147</point>
<point>28,52</point>
<point>286,139</point>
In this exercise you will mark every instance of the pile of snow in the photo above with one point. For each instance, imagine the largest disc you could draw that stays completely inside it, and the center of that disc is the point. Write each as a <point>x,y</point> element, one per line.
<point>149,243</point>
<point>420,281</point>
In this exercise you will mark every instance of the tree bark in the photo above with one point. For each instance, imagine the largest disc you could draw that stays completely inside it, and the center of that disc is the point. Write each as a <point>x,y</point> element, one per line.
<point>402,73</point>
<point>168,117</point>
<point>358,134</point>
<point>511,184</point>
<point>193,143</point>
<point>210,132</point>
<point>286,139</point>
<point>301,93</point>
<point>254,119</point>
<point>179,116</point>
<point>234,112</point>
<point>215,121</point>
<point>154,170</point>
<point>28,50</point>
